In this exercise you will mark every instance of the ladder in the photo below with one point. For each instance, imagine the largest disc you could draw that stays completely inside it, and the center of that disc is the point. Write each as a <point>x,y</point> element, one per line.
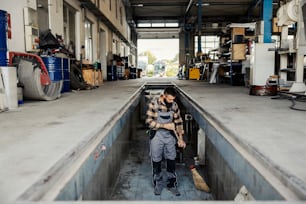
<point>3,105</point>
<point>213,77</point>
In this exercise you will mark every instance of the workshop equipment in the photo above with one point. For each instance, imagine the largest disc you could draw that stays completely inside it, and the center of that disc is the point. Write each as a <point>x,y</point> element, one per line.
<point>33,74</point>
<point>288,14</point>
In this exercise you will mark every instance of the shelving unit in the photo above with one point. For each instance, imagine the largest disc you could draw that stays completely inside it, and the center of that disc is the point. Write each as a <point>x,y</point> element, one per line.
<point>233,51</point>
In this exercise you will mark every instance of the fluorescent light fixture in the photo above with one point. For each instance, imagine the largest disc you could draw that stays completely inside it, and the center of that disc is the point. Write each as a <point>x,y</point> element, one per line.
<point>138,5</point>
<point>203,4</point>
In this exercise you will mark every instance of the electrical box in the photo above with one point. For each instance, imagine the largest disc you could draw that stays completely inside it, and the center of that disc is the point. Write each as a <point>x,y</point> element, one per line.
<point>31,36</point>
<point>238,51</point>
<point>31,31</point>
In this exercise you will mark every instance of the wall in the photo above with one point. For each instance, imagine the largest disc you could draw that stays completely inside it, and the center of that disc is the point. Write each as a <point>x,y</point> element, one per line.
<point>17,43</point>
<point>228,167</point>
<point>56,16</point>
<point>42,12</point>
<point>53,15</point>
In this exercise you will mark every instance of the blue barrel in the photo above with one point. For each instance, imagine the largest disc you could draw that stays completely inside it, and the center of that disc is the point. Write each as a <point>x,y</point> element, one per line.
<point>54,67</point>
<point>3,38</point>
<point>66,75</point>
<point>112,73</point>
<point>132,72</point>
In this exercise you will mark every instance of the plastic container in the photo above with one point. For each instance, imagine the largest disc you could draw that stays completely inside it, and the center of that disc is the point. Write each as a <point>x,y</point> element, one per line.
<point>9,75</point>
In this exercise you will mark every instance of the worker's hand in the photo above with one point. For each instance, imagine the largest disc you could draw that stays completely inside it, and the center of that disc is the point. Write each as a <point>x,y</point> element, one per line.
<point>181,143</point>
<point>168,126</point>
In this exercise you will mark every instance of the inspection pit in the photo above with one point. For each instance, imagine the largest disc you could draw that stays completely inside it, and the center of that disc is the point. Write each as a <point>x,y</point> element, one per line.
<point>115,164</point>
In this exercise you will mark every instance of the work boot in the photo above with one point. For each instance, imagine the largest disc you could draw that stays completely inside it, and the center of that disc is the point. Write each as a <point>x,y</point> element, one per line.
<point>172,183</point>
<point>174,191</point>
<point>157,178</point>
<point>172,186</point>
<point>158,184</point>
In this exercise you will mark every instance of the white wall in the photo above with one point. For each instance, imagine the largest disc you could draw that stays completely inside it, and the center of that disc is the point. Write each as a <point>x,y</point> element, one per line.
<point>56,20</point>
<point>17,43</point>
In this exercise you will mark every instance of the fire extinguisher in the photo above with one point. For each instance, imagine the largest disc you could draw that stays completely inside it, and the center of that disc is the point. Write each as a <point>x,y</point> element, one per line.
<point>9,26</point>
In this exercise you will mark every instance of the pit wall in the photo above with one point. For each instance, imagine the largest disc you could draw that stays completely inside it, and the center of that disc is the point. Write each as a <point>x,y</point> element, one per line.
<point>95,178</point>
<point>227,168</point>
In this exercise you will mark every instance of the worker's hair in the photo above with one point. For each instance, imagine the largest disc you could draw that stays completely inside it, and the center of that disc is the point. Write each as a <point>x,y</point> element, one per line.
<point>170,91</point>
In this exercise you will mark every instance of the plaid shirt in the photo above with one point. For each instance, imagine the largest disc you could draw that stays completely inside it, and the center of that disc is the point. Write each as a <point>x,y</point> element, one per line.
<point>152,114</point>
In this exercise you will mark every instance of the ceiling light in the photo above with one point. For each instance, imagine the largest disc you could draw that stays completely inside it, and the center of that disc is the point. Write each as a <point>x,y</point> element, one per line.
<point>138,5</point>
<point>203,4</point>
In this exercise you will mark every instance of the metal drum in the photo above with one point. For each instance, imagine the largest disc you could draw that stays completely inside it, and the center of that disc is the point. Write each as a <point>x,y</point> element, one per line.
<point>54,66</point>
<point>66,75</point>
<point>3,38</point>
<point>112,73</point>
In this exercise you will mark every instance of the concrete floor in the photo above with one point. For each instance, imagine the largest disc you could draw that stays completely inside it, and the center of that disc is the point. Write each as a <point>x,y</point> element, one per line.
<point>34,137</point>
<point>134,180</point>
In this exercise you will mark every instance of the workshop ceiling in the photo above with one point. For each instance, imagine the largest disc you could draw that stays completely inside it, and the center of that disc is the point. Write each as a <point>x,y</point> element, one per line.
<point>216,15</point>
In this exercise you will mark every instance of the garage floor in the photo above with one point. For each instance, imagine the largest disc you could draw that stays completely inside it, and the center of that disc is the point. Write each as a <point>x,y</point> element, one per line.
<point>34,137</point>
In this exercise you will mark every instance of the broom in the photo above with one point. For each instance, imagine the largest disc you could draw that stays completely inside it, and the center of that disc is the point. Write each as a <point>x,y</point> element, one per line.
<point>198,180</point>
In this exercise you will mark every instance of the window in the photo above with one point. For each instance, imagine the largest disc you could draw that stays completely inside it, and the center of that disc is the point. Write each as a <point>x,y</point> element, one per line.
<point>88,41</point>
<point>116,8</point>
<point>157,25</point>
<point>121,17</point>
<point>172,25</point>
<point>207,43</point>
<point>69,28</point>
<point>110,5</point>
<point>162,24</point>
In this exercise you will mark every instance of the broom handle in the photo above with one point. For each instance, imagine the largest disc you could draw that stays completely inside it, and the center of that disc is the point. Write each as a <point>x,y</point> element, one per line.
<point>177,137</point>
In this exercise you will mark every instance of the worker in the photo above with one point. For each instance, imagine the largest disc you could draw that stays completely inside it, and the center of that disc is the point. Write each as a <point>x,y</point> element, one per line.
<point>163,117</point>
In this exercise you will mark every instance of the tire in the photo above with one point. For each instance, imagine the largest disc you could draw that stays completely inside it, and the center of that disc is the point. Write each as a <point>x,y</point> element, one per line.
<point>76,78</point>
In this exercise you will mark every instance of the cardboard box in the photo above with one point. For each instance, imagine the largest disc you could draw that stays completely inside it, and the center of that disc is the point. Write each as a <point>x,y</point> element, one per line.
<point>126,73</point>
<point>93,77</point>
<point>99,77</point>
<point>275,28</point>
<point>238,51</point>
<point>237,31</point>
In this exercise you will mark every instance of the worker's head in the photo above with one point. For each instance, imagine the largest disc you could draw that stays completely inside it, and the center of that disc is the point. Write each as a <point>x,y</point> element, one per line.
<point>169,95</point>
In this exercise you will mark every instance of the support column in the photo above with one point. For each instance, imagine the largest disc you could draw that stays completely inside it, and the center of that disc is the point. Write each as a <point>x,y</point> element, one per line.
<point>199,26</point>
<point>283,57</point>
<point>267,18</point>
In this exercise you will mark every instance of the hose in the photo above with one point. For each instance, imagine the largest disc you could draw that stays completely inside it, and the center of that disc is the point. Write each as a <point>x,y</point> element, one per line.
<point>293,99</point>
<point>29,74</point>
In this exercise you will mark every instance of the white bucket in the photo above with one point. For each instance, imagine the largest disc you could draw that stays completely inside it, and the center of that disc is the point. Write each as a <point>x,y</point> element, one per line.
<point>9,75</point>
